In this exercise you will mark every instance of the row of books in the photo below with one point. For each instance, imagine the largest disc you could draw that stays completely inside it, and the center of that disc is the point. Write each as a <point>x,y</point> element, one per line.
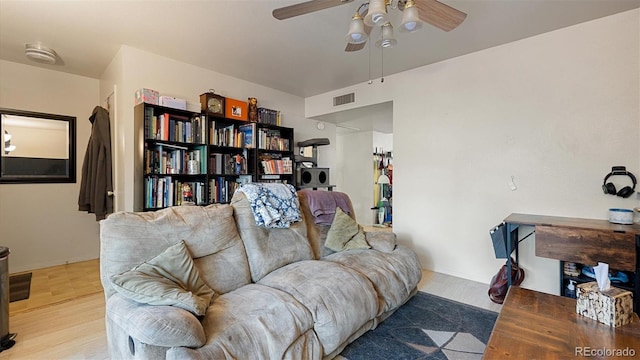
<point>227,164</point>
<point>163,192</point>
<point>171,127</point>
<point>269,139</point>
<point>171,159</point>
<point>277,166</point>
<point>232,136</point>
<point>268,116</point>
<point>279,181</point>
<point>221,189</point>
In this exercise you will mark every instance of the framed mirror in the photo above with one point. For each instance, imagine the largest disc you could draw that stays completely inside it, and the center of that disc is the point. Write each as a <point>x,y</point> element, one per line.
<point>37,147</point>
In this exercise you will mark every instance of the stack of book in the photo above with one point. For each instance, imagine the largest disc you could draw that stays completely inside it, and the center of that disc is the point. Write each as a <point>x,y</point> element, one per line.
<point>232,136</point>
<point>268,116</point>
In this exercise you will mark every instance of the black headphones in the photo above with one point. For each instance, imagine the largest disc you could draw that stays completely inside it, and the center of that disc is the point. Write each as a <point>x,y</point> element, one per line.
<point>610,189</point>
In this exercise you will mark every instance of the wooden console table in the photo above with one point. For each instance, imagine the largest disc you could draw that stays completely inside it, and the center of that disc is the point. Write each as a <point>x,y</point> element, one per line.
<point>585,241</point>
<point>535,325</point>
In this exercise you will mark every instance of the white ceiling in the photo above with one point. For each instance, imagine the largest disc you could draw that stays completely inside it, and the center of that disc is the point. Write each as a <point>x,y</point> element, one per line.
<point>302,55</point>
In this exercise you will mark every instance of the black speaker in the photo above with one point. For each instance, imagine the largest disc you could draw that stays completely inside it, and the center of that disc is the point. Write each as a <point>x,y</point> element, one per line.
<point>312,177</point>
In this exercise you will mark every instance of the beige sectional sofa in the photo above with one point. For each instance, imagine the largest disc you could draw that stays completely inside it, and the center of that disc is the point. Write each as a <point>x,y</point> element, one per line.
<point>278,293</point>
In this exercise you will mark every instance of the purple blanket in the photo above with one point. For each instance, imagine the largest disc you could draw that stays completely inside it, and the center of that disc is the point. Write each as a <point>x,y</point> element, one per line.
<point>323,205</point>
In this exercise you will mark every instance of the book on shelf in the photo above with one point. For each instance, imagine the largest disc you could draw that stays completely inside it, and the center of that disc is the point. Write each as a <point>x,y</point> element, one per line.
<point>268,116</point>
<point>165,191</point>
<point>274,180</point>
<point>247,138</point>
<point>271,139</point>
<point>227,164</point>
<point>224,136</point>
<point>240,136</point>
<point>189,193</point>
<point>172,127</point>
<point>168,159</point>
<point>157,190</point>
<point>149,123</point>
<point>276,164</point>
<point>221,189</point>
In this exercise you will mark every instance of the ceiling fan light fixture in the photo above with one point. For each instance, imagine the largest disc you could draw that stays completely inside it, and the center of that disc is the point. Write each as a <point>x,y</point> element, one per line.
<point>356,34</point>
<point>7,143</point>
<point>377,14</point>
<point>9,149</point>
<point>40,53</point>
<point>388,40</point>
<point>410,18</point>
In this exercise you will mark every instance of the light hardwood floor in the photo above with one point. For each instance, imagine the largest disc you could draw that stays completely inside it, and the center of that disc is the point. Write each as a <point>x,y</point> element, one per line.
<point>59,323</point>
<point>57,284</point>
<point>63,317</point>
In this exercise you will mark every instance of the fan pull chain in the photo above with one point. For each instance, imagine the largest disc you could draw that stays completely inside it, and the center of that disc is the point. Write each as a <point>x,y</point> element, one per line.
<point>382,68</point>
<point>370,81</point>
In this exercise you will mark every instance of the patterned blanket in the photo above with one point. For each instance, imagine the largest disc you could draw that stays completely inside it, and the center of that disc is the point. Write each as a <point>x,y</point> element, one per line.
<point>274,205</point>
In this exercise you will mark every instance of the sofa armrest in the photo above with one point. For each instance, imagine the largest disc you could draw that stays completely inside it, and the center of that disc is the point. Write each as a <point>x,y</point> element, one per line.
<point>384,241</point>
<point>166,326</point>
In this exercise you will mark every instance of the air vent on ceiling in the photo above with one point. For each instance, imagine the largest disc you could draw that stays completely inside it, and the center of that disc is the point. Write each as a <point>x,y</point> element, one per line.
<point>344,99</point>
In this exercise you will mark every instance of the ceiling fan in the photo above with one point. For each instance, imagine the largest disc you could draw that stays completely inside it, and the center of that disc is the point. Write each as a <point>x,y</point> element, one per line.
<point>373,13</point>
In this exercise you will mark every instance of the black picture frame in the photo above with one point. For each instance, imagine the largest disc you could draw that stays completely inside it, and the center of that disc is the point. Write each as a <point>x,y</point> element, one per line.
<point>38,168</point>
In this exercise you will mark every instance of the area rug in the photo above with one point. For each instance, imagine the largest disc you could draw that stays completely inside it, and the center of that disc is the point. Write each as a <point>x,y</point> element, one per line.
<point>19,287</point>
<point>427,327</point>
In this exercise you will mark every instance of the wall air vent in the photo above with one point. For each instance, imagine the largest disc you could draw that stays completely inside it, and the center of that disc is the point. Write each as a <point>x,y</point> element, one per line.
<point>344,99</point>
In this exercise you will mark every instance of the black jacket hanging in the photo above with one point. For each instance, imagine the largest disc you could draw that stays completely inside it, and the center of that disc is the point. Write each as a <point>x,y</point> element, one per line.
<point>97,180</point>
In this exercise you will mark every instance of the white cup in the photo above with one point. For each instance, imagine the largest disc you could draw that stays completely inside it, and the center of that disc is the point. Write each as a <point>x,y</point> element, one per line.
<point>193,167</point>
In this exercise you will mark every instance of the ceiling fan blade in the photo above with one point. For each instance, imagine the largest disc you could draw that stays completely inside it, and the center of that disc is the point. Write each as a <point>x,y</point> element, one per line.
<point>355,47</point>
<point>439,15</point>
<point>306,8</point>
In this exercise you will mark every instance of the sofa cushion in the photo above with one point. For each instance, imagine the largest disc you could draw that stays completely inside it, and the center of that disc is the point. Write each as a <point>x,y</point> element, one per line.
<point>317,233</point>
<point>130,238</point>
<point>340,300</point>
<point>384,241</point>
<point>170,278</point>
<point>345,233</point>
<point>155,325</point>
<point>393,274</point>
<point>269,249</point>
<point>253,322</point>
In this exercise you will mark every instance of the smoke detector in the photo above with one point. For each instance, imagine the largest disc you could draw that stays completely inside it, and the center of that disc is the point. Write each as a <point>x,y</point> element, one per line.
<point>40,53</point>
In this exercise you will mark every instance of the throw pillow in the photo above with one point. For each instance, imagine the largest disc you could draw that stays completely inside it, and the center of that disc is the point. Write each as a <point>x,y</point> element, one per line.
<point>345,233</point>
<point>170,278</point>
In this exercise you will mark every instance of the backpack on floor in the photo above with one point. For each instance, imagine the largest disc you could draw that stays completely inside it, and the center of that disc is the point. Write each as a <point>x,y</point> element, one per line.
<point>498,286</point>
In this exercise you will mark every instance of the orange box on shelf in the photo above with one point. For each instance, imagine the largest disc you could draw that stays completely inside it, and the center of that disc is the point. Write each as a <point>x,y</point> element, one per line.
<point>235,109</point>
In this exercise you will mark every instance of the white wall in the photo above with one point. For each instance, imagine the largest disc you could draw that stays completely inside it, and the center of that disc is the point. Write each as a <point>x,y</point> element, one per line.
<point>40,223</point>
<point>110,81</point>
<point>355,172</point>
<point>382,142</point>
<point>133,69</point>
<point>555,111</point>
<point>354,166</point>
